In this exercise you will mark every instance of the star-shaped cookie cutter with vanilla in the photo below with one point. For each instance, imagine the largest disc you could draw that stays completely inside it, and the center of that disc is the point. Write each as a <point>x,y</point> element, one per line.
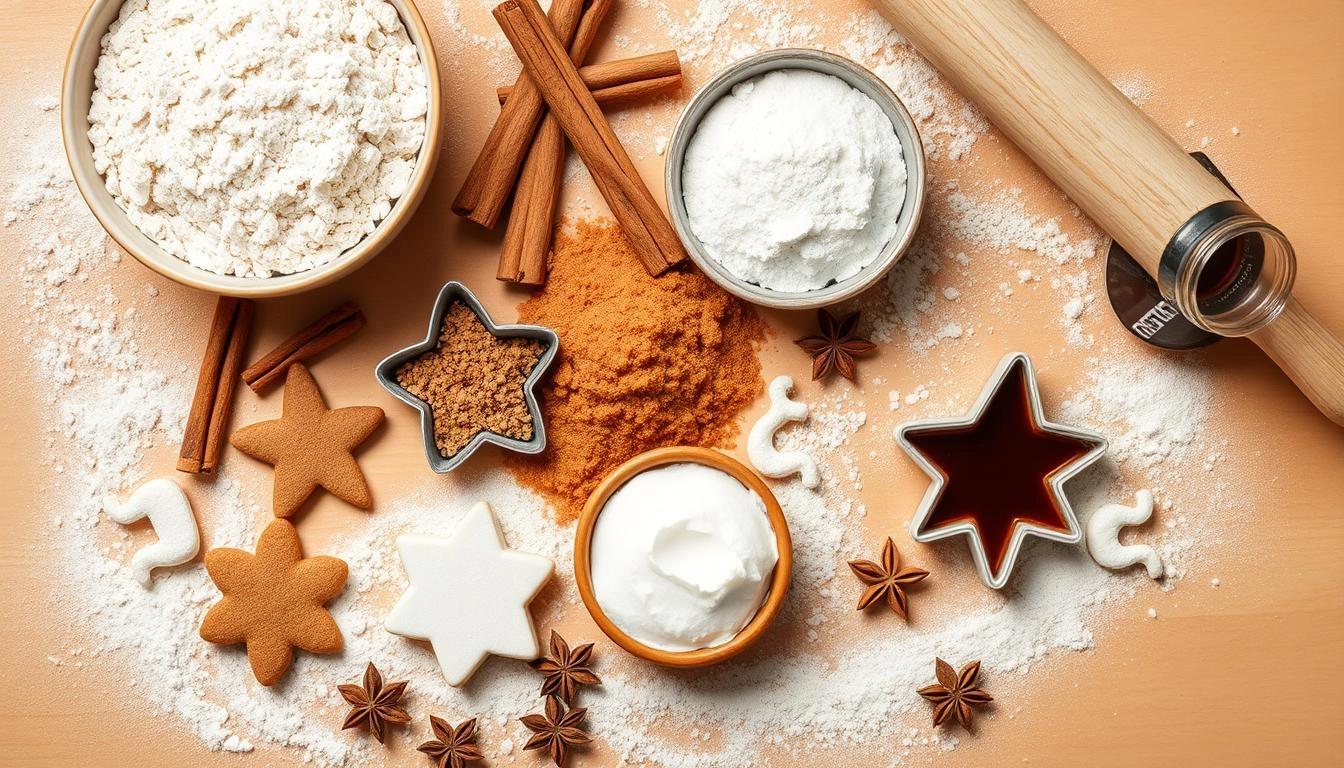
<point>999,472</point>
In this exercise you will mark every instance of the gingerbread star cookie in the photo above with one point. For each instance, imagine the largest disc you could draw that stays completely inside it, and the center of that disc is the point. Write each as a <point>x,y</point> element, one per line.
<point>274,601</point>
<point>468,595</point>
<point>310,445</point>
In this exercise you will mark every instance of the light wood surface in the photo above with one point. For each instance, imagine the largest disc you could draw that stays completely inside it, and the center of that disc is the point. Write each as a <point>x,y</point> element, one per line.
<point>1116,163</point>
<point>1246,674</point>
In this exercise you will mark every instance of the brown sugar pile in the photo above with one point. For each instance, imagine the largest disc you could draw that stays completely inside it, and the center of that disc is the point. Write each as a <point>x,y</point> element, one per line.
<point>644,363</point>
<point>473,381</point>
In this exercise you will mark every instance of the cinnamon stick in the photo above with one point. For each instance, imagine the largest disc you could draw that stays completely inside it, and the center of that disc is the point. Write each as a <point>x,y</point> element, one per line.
<point>212,403</point>
<point>491,178</point>
<point>315,338</point>
<point>555,76</point>
<point>623,93</point>
<point>228,380</point>
<point>612,76</point>
<point>527,239</point>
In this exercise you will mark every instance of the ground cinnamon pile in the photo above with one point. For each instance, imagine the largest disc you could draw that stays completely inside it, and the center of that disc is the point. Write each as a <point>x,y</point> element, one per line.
<point>644,362</point>
<point>473,381</point>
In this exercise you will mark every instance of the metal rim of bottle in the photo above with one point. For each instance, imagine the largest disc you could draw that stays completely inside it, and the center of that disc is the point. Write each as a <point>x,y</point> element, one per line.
<point>1257,303</point>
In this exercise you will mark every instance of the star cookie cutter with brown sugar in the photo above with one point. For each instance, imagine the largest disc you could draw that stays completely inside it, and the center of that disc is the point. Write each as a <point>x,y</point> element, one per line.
<point>386,372</point>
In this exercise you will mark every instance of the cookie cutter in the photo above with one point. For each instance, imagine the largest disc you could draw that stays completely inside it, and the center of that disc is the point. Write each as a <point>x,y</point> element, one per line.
<point>1056,480</point>
<point>386,373</point>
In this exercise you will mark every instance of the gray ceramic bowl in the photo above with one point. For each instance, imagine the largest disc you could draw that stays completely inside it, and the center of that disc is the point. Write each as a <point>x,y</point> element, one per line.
<point>861,79</point>
<point>386,372</point>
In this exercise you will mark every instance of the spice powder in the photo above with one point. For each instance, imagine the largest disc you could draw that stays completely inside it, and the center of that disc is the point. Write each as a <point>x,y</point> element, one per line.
<point>473,381</point>
<point>646,362</point>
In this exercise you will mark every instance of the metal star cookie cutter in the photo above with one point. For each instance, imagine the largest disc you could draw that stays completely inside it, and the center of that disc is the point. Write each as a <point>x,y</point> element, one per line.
<point>386,372</point>
<point>1055,480</point>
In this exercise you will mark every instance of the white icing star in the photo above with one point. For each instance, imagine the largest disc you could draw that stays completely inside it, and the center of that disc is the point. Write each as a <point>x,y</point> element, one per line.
<point>468,595</point>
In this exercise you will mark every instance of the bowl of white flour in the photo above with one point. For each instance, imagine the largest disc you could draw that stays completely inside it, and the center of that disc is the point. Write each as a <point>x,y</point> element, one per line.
<point>252,147</point>
<point>795,178</point>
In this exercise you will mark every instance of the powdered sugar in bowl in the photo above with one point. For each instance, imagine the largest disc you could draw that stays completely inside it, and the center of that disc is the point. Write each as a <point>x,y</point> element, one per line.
<point>253,148</point>
<point>795,178</point>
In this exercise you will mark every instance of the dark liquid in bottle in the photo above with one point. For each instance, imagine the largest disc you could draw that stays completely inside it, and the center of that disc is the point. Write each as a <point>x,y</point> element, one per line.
<point>1221,270</point>
<point>997,469</point>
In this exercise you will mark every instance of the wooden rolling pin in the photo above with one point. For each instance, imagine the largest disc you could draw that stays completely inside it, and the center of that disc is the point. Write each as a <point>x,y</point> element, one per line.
<point>1112,160</point>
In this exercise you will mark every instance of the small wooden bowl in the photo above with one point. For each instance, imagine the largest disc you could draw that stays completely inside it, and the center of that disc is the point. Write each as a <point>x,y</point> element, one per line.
<point>779,580</point>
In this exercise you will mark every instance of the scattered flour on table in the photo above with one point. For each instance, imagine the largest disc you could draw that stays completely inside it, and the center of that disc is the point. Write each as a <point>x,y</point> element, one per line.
<point>257,137</point>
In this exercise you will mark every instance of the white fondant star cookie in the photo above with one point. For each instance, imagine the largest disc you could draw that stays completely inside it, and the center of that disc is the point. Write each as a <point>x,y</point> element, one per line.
<point>468,595</point>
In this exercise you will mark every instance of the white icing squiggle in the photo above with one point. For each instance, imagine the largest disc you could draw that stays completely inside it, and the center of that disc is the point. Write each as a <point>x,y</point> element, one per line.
<point>1103,536</point>
<point>169,511</point>
<point>761,442</point>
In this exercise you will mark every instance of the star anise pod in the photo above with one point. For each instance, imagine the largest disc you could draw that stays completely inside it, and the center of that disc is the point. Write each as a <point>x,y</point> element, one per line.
<point>836,347</point>
<point>565,670</point>
<point>374,705</point>
<point>885,580</point>
<point>955,694</point>
<point>557,730</point>
<point>452,747</point>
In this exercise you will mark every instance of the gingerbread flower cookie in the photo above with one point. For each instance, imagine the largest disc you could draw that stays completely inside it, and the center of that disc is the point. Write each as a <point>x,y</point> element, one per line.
<point>274,601</point>
<point>310,445</point>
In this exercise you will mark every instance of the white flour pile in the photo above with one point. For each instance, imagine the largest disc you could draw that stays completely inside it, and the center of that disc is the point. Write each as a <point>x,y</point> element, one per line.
<point>257,137</point>
<point>122,405</point>
<point>794,180</point>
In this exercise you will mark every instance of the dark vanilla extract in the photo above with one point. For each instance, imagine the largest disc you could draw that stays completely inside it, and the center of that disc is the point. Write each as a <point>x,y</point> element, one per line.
<point>997,470</point>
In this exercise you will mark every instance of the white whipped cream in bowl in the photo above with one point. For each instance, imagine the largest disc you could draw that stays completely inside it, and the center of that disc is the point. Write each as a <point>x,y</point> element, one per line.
<point>683,556</point>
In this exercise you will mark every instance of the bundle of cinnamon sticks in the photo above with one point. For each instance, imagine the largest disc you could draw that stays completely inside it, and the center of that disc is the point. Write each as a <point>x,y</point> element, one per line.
<point>552,100</point>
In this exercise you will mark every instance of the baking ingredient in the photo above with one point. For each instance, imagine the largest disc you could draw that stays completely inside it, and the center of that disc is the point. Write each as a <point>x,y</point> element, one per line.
<point>468,595</point>
<point>548,65</point>
<point>565,670</point>
<point>794,180</point>
<point>375,704</point>
<point>557,730</point>
<point>998,472</point>
<point>474,381</point>
<point>645,364</point>
<point>527,239</point>
<point>490,182</point>
<point>212,403</point>
<point>886,579</point>
<point>956,694</point>
<point>169,512</point>
<point>1103,536</point>
<point>309,342</point>
<point>835,348</point>
<point>310,445</point>
<point>273,601</point>
<point>452,747</point>
<point>624,80</point>
<point>257,137</point>
<point>681,557</point>
<point>761,440</point>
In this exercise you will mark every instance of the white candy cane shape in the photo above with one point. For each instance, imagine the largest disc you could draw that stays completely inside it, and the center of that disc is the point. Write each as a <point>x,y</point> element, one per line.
<point>761,441</point>
<point>1103,536</point>
<point>169,511</point>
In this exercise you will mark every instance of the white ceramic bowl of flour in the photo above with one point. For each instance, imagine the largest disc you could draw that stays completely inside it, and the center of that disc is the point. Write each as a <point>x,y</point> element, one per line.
<point>389,215</point>
<point>795,178</point>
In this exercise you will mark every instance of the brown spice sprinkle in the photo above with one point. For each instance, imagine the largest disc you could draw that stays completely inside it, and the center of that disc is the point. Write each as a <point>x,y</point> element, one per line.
<point>646,362</point>
<point>473,381</point>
